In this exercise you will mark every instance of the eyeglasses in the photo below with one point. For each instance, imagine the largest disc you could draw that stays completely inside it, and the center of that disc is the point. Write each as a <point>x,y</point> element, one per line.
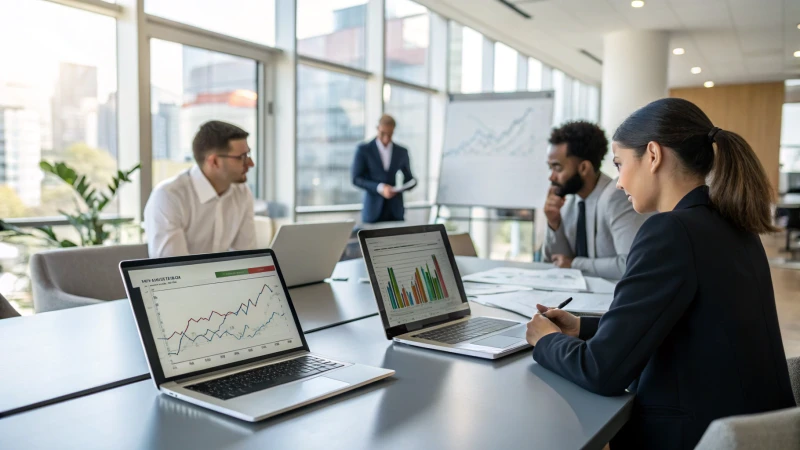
<point>242,158</point>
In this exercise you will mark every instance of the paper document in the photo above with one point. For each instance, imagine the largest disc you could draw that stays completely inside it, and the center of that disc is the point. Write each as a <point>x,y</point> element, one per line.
<point>404,187</point>
<point>551,279</point>
<point>600,285</point>
<point>472,289</point>
<point>524,302</point>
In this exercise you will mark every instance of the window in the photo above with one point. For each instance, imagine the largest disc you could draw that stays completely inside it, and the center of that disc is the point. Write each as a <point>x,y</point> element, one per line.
<point>330,124</point>
<point>790,138</point>
<point>534,75</point>
<point>251,20</point>
<point>190,86</point>
<point>332,30</point>
<point>505,68</point>
<point>410,110</point>
<point>466,59</point>
<point>58,96</point>
<point>407,41</point>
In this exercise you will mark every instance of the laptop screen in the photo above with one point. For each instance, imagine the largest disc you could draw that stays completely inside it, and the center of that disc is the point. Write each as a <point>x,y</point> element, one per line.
<point>415,277</point>
<point>215,312</point>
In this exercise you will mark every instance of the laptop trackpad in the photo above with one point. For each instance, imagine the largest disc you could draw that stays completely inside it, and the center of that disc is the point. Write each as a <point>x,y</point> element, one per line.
<point>498,341</point>
<point>305,390</point>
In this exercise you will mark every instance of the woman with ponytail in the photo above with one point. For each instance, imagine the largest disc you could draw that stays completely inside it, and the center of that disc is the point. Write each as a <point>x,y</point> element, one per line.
<point>693,329</point>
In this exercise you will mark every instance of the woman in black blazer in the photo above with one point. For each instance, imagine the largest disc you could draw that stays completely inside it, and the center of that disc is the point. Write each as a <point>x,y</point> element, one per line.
<point>693,329</point>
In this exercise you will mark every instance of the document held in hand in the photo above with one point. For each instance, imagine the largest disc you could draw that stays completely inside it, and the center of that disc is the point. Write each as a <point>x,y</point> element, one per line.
<point>404,187</point>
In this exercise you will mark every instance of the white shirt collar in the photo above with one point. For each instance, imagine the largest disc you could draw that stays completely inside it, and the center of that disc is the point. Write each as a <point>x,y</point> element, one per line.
<point>202,187</point>
<point>384,148</point>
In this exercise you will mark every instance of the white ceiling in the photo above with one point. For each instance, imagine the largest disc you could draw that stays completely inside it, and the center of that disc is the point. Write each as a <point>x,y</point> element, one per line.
<point>733,41</point>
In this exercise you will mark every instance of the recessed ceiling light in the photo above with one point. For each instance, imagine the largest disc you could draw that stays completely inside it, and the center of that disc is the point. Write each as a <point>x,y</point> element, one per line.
<point>678,51</point>
<point>637,3</point>
<point>708,84</point>
<point>797,54</point>
<point>798,26</point>
<point>696,70</point>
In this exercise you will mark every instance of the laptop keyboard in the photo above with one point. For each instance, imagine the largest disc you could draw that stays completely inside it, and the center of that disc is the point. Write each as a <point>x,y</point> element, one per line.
<point>265,377</point>
<point>467,330</point>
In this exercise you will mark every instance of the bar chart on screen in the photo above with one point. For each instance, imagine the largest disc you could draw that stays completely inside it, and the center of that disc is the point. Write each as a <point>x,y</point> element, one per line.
<point>416,279</point>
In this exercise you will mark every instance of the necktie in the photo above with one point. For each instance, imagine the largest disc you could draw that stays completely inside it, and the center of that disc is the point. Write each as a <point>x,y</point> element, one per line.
<point>581,246</point>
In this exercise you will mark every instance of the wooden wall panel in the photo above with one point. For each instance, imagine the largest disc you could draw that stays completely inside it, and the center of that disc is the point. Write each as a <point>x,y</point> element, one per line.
<point>751,110</point>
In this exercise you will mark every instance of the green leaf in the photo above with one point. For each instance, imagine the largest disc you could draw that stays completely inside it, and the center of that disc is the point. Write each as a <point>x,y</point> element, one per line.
<point>67,244</point>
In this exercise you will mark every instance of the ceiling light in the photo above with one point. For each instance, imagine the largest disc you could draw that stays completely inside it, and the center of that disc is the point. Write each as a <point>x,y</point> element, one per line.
<point>696,70</point>
<point>708,84</point>
<point>637,3</point>
<point>798,26</point>
<point>678,51</point>
<point>797,54</point>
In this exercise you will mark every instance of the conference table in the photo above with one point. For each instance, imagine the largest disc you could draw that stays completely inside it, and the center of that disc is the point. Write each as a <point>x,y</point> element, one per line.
<point>83,369</point>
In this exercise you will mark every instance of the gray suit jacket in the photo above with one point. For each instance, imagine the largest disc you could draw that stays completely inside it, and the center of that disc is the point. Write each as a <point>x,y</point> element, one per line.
<point>611,225</point>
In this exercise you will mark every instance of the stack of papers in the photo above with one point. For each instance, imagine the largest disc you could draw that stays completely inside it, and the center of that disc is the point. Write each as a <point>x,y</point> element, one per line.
<point>519,290</point>
<point>524,302</point>
<point>551,279</point>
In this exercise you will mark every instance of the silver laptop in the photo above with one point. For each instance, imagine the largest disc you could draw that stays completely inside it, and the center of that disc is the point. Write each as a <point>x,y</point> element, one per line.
<point>220,331</point>
<point>421,297</point>
<point>326,241</point>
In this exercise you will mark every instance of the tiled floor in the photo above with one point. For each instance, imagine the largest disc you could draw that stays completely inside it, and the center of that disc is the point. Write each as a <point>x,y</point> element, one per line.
<point>786,283</point>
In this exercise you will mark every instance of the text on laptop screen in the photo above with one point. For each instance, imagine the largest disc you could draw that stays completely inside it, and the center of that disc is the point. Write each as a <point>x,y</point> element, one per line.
<point>211,314</point>
<point>415,277</point>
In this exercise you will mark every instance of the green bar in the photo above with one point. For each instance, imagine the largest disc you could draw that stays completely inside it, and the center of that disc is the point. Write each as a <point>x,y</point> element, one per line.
<point>433,286</point>
<point>428,284</point>
<point>231,273</point>
<point>438,289</point>
<point>396,289</point>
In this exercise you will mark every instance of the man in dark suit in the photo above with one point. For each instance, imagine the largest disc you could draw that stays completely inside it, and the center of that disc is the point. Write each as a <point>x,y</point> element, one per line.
<point>374,168</point>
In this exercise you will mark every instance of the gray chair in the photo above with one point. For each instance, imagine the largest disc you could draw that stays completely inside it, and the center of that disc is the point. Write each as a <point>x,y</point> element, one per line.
<point>794,376</point>
<point>79,276</point>
<point>776,430</point>
<point>462,244</point>
<point>6,310</point>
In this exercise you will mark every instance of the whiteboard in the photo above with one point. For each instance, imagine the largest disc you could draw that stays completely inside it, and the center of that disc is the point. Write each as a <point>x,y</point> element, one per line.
<point>495,150</point>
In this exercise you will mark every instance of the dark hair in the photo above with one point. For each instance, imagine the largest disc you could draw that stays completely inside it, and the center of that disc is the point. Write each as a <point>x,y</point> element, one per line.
<point>215,136</point>
<point>387,120</point>
<point>740,190</point>
<point>584,140</point>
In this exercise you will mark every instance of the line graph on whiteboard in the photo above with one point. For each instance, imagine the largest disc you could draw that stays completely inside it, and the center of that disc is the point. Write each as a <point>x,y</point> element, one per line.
<point>495,152</point>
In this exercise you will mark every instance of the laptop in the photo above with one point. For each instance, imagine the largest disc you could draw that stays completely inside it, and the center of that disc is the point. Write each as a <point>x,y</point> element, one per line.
<point>293,243</point>
<point>220,331</point>
<point>421,298</point>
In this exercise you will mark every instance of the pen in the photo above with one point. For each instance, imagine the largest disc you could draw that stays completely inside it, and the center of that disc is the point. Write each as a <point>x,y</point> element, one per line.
<point>564,303</point>
<point>561,306</point>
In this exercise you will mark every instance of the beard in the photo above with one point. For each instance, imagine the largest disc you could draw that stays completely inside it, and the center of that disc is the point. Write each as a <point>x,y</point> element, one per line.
<point>572,186</point>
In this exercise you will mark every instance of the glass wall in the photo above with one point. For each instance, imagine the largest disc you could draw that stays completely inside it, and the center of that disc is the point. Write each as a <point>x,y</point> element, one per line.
<point>330,124</point>
<point>408,39</point>
<point>333,30</point>
<point>466,59</point>
<point>506,60</point>
<point>250,20</point>
<point>189,87</point>
<point>58,102</point>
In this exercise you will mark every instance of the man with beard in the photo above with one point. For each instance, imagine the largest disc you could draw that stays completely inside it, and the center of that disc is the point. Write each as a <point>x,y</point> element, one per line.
<point>591,224</point>
<point>208,208</point>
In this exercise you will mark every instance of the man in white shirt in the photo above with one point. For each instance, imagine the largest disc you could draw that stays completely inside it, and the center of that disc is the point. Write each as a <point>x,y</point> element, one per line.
<point>374,168</point>
<point>208,208</point>
<point>591,224</point>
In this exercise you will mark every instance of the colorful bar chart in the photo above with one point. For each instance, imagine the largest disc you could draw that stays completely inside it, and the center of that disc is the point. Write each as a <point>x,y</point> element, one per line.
<point>424,287</point>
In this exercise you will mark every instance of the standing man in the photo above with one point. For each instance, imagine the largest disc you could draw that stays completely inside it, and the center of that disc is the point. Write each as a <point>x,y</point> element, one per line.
<point>208,208</point>
<point>374,168</point>
<point>591,224</point>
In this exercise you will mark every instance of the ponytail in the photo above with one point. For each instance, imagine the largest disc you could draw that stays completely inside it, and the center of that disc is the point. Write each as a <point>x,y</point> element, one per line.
<point>740,190</point>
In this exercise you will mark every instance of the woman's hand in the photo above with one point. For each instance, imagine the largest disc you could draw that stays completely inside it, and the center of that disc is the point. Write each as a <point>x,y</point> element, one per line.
<point>551,321</point>
<point>569,324</point>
